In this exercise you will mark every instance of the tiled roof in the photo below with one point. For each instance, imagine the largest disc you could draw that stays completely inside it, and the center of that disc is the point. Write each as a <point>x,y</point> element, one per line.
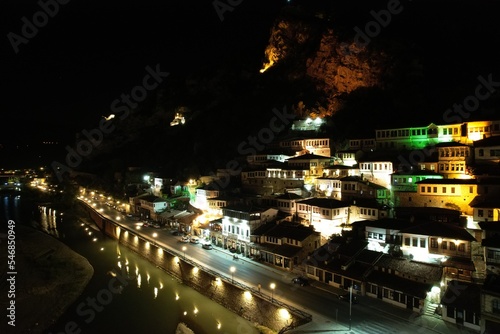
<point>329,203</point>
<point>289,196</point>
<point>386,223</point>
<point>293,231</point>
<point>417,270</point>
<point>438,229</point>
<point>485,202</point>
<point>401,284</point>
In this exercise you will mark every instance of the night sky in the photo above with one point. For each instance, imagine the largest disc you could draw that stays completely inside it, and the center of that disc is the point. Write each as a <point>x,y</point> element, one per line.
<point>66,76</point>
<point>90,52</point>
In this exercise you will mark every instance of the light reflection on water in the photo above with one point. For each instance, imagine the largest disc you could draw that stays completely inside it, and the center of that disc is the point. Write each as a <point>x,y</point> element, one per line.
<point>148,300</point>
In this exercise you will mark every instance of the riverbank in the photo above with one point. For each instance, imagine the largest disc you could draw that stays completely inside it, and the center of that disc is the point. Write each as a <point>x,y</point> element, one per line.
<point>50,276</point>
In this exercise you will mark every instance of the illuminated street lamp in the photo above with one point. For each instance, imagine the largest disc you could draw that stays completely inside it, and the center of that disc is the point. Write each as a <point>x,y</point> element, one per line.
<point>350,306</point>
<point>272,286</point>
<point>232,269</point>
<point>184,250</point>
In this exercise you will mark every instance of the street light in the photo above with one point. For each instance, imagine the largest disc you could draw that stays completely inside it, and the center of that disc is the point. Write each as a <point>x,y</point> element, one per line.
<point>184,250</point>
<point>232,269</point>
<point>350,305</point>
<point>272,286</point>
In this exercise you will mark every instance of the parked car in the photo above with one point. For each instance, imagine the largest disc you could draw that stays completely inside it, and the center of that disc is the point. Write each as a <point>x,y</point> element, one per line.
<point>207,246</point>
<point>195,240</point>
<point>184,239</point>
<point>300,280</point>
<point>346,296</point>
<point>178,233</point>
<point>145,224</point>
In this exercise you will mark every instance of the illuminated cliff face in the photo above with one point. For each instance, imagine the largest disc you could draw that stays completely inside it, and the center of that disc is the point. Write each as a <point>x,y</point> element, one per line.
<point>287,38</point>
<point>337,67</point>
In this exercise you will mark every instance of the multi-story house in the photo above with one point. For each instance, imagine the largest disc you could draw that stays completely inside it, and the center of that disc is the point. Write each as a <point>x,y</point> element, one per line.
<point>284,245</point>
<point>367,209</point>
<point>478,130</point>
<point>327,215</point>
<point>461,304</point>
<point>453,159</point>
<point>442,193</point>
<point>337,171</point>
<point>238,223</point>
<point>404,138</point>
<point>382,235</point>
<point>147,206</point>
<point>421,137</point>
<point>404,283</point>
<point>287,203</point>
<point>491,245</point>
<point>487,151</point>
<point>267,157</point>
<point>407,181</point>
<point>315,146</point>
<point>485,208</point>
<point>490,305</point>
<point>346,157</point>
<point>203,194</point>
<point>267,181</point>
<point>329,187</point>
<point>352,187</point>
<point>376,170</point>
<point>342,264</point>
<point>362,144</point>
<point>443,243</point>
<point>311,164</point>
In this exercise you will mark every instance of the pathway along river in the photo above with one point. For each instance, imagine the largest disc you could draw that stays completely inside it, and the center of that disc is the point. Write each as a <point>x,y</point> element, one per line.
<point>127,294</point>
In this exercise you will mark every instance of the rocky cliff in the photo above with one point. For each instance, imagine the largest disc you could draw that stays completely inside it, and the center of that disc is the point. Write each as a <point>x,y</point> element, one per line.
<point>311,47</point>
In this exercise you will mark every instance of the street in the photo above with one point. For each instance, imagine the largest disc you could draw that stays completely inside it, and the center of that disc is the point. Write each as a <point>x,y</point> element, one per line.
<point>328,311</point>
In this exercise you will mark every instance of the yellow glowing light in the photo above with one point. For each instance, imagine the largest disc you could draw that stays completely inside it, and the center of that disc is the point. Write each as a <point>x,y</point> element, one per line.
<point>284,314</point>
<point>247,295</point>
<point>177,297</point>
<point>218,325</point>
<point>195,310</point>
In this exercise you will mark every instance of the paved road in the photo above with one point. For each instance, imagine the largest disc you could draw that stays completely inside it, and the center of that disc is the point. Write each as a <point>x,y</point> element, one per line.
<point>329,313</point>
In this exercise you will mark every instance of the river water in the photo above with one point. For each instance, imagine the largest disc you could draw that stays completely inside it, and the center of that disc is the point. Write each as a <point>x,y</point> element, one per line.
<point>127,294</point>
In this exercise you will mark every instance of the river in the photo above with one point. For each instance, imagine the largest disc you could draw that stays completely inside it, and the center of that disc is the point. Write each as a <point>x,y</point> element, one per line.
<point>127,294</point>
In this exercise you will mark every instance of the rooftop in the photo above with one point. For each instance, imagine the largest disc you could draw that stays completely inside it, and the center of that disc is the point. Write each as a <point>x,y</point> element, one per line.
<point>329,203</point>
<point>437,229</point>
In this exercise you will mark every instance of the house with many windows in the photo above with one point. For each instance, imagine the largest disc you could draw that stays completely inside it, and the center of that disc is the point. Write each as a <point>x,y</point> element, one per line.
<point>453,159</point>
<point>487,151</point>
<point>238,223</point>
<point>327,215</point>
<point>404,283</point>
<point>442,193</point>
<point>443,243</point>
<point>271,180</point>
<point>376,170</point>
<point>284,245</point>
<point>491,245</point>
<point>407,181</point>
